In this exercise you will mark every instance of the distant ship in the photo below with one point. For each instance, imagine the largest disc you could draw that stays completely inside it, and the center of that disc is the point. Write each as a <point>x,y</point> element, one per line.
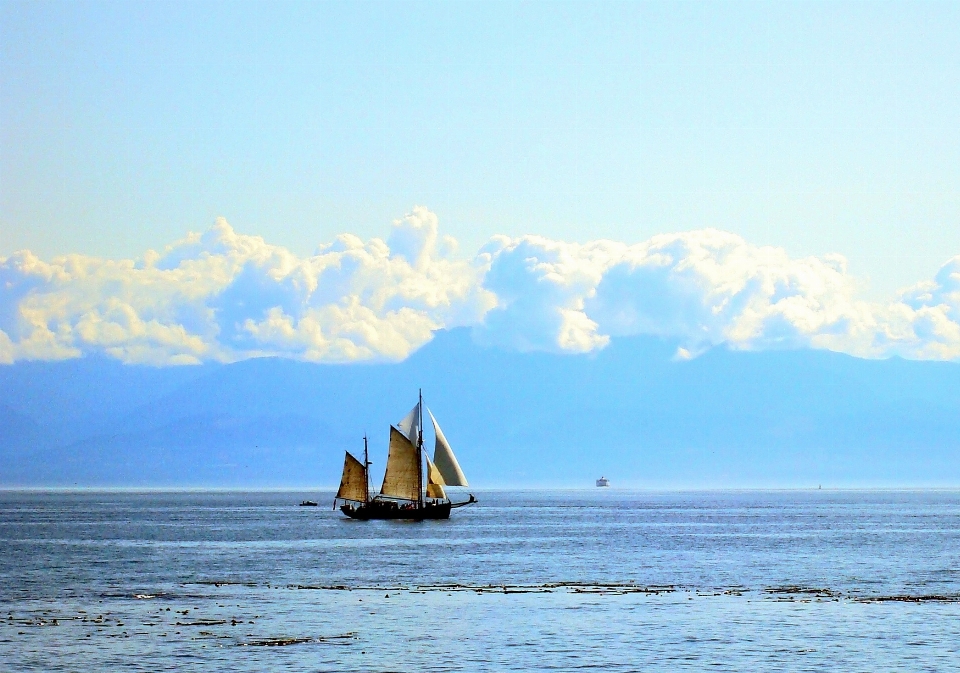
<point>603,482</point>
<point>402,494</point>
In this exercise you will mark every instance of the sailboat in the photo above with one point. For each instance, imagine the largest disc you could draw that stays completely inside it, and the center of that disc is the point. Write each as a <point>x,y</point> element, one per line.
<point>403,494</point>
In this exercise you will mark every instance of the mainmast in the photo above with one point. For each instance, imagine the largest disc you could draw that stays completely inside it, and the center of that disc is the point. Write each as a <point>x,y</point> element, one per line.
<point>366,471</point>
<point>419,452</point>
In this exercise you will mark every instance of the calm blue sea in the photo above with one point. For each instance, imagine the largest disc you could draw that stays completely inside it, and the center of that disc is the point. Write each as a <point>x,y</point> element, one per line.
<point>529,581</point>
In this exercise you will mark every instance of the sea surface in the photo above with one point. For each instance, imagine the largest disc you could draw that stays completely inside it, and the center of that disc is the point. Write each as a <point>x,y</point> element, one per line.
<point>524,581</point>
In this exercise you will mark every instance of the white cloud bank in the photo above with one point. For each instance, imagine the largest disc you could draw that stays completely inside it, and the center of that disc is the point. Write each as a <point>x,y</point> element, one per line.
<point>705,288</point>
<point>226,296</point>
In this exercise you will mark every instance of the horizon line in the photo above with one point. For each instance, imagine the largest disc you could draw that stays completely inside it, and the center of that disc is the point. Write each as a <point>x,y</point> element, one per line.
<point>489,489</point>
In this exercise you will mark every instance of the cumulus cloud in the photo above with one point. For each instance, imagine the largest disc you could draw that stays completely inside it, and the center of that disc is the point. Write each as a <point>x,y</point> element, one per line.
<point>541,286</point>
<point>226,296</point>
<point>706,288</point>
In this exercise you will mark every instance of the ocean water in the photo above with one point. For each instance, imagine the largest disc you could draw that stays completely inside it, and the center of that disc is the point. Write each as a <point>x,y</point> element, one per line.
<point>530,581</point>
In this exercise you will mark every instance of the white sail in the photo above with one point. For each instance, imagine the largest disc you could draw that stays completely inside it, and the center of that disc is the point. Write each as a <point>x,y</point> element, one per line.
<point>444,459</point>
<point>434,482</point>
<point>353,483</point>
<point>401,480</point>
<point>410,425</point>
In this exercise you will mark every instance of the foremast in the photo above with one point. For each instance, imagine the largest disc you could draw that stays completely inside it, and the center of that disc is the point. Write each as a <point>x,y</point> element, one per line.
<point>355,482</point>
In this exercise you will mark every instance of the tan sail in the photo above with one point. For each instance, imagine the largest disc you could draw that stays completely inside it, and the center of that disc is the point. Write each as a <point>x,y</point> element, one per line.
<point>445,460</point>
<point>400,479</point>
<point>434,482</point>
<point>353,483</point>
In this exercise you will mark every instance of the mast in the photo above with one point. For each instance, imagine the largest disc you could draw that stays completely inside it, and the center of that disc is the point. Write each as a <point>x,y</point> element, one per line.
<point>366,471</point>
<point>419,451</point>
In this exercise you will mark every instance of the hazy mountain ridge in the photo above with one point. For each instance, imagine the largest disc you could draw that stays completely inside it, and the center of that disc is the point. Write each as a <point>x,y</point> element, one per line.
<point>630,412</point>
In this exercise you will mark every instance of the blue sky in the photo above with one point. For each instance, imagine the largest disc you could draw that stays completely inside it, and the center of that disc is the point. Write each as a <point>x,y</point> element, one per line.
<point>817,128</point>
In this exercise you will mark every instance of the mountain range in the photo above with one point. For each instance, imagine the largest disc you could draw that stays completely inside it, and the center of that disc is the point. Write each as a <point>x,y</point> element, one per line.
<point>632,412</point>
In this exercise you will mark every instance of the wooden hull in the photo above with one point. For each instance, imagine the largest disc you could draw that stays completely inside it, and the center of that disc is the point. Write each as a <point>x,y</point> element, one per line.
<point>390,510</point>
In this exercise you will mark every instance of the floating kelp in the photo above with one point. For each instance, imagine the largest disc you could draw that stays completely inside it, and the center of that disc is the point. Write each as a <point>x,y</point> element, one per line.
<point>276,642</point>
<point>907,598</point>
<point>796,590</point>
<point>202,622</point>
<point>340,639</point>
<point>573,587</point>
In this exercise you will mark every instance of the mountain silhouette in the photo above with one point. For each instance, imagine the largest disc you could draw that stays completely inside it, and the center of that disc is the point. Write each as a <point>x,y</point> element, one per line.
<point>631,412</point>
